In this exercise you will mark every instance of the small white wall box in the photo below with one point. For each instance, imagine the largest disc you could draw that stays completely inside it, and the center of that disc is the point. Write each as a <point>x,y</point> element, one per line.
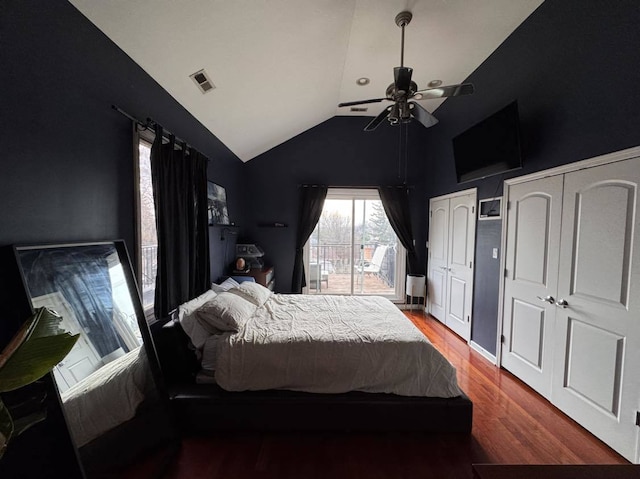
<point>489,208</point>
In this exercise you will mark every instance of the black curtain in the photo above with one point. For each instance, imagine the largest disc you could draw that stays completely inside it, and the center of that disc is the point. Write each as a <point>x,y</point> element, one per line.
<point>395,200</point>
<point>179,179</point>
<point>311,203</point>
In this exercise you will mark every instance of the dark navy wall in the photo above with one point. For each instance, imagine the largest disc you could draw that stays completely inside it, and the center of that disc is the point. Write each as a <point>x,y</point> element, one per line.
<point>66,169</point>
<point>484,328</point>
<point>336,153</point>
<point>574,67</point>
<point>66,166</point>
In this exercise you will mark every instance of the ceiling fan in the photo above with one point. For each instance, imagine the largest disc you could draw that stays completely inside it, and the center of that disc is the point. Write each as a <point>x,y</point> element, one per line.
<point>403,89</point>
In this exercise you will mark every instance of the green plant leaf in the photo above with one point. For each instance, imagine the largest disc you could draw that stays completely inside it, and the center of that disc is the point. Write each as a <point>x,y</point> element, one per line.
<point>47,324</point>
<point>6,428</point>
<point>39,352</point>
<point>20,337</point>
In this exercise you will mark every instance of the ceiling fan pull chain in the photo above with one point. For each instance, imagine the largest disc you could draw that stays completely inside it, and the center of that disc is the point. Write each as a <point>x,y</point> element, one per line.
<point>406,151</point>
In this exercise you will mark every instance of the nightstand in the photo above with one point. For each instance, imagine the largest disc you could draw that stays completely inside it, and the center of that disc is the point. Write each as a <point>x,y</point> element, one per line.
<point>264,276</point>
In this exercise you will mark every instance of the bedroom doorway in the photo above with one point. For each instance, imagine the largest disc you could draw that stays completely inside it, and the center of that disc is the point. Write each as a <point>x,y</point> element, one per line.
<point>353,249</point>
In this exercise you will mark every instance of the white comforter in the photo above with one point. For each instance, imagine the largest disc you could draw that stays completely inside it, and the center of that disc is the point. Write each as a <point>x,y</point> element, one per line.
<point>332,344</point>
<point>107,398</point>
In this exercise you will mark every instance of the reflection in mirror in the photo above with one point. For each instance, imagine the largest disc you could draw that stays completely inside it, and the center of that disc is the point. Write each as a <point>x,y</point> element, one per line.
<point>109,379</point>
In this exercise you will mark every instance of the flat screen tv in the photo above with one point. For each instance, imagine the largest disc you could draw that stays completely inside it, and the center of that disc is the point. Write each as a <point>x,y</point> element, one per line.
<point>490,147</point>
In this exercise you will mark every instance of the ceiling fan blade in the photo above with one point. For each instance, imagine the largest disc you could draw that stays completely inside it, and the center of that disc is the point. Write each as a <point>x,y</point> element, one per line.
<point>373,124</point>
<point>361,102</point>
<point>445,91</point>
<point>402,78</point>
<point>422,115</point>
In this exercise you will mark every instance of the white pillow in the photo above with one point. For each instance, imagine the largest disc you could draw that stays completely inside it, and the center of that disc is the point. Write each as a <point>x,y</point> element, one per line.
<point>189,307</point>
<point>253,292</point>
<point>225,312</point>
<point>226,285</point>
<point>189,321</point>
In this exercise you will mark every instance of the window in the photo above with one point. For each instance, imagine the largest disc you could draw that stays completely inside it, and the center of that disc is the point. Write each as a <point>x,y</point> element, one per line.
<point>353,249</point>
<point>147,240</point>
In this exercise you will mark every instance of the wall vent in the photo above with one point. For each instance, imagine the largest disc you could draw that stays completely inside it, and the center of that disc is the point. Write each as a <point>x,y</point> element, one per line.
<point>359,108</point>
<point>201,78</point>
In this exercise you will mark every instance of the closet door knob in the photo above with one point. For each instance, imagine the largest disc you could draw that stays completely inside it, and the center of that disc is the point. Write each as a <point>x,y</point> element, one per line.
<point>562,303</point>
<point>547,299</point>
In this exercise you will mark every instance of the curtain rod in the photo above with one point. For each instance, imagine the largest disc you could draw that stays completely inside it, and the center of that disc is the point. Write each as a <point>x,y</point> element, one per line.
<point>150,124</point>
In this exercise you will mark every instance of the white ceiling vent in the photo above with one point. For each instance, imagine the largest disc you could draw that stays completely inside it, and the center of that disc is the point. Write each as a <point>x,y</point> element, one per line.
<point>203,81</point>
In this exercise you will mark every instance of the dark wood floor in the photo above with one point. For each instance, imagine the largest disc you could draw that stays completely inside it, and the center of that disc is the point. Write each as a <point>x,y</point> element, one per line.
<point>511,425</point>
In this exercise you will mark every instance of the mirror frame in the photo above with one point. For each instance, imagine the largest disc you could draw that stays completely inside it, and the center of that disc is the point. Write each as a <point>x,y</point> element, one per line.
<point>148,344</point>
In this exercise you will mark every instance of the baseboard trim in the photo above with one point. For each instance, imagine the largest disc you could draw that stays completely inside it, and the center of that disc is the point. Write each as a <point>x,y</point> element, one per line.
<point>409,307</point>
<point>486,354</point>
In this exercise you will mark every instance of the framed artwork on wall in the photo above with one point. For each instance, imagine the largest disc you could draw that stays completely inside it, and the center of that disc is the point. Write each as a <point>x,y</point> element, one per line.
<point>217,204</point>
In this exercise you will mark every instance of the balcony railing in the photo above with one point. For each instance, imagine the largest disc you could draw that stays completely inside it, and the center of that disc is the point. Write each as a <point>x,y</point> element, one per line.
<point>149,260</point>
<point>341,259</point>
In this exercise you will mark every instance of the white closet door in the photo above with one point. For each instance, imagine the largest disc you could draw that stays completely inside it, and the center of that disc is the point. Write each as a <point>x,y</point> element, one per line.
<point>597,337</point>
<point>460,264</point>
<point>533,240</point>
<point>83,359</point>
<point>438,257</point>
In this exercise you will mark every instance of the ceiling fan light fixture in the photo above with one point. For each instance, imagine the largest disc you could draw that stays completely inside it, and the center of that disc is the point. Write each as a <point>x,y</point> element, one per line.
<point>405,112</point>
<point>404,89</point>
<point>394,114</point>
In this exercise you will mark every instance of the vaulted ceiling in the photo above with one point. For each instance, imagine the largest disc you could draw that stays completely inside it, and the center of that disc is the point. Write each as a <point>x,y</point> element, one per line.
<point>281,67</point>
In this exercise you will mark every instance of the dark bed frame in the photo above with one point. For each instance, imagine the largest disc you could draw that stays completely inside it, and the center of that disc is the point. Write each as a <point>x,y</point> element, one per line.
<point>207,407</point>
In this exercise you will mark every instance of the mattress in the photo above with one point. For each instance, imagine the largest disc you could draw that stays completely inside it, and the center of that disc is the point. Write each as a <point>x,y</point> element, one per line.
<point>329,344</point>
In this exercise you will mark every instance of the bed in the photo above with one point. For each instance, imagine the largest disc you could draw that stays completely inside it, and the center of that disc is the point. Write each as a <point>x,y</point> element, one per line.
<point>268,361</point>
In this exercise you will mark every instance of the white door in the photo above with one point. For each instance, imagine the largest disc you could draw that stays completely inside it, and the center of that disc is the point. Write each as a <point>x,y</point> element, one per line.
<point>438,258</point>
<point>531,280</point>
<point>83,359</point>
<point>597,334</point>
<point>460,264</point>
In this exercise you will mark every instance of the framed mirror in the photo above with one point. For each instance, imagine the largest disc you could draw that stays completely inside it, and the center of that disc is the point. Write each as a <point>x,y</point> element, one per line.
<point>110,383</point>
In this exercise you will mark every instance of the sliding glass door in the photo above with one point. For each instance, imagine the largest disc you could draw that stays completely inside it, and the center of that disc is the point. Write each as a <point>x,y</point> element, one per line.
<point>353,249</point>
